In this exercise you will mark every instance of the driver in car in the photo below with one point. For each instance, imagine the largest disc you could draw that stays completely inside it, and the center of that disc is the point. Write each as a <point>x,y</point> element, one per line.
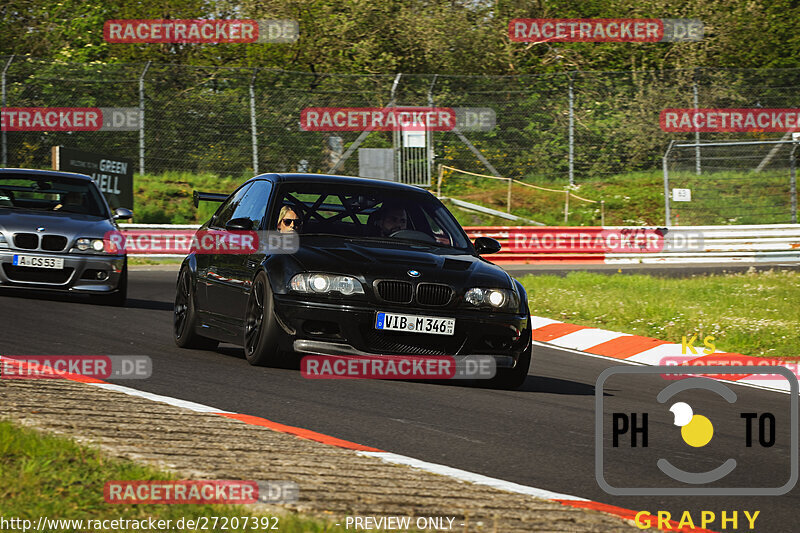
<point>72,201</point>
<point>391,219</point>
<point>289,221</point>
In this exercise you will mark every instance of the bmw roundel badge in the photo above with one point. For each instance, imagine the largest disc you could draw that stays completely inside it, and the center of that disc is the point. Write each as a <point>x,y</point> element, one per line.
<point>413,273</point>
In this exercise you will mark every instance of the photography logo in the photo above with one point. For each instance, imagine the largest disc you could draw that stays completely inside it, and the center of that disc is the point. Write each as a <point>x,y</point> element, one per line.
<point>693,435</point>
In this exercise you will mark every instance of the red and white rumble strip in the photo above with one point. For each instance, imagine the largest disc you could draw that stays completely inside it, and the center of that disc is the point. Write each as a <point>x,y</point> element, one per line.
<point>653,352</point>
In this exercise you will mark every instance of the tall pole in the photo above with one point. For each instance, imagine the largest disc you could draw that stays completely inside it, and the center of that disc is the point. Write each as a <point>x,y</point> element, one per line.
<point>602,212</point>
<point>793,184</point>
<point>363,135</point>
<point>429,132</point>
<point>3,98</point>
<point>253,125</point>
<point>697,168</point>
<point>665,167</point>
<point>571,130</point>
<point>141,118</point>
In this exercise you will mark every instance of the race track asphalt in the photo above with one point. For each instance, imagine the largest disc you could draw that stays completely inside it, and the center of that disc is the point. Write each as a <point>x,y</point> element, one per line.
<point>542,435</point>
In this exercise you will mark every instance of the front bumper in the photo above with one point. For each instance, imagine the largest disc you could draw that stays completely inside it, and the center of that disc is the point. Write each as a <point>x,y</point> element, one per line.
<point>79,275</point>
<point>343,328</point>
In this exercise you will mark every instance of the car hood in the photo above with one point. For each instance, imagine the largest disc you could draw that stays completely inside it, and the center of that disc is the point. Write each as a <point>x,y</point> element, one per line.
<point>385,259</point>
<point>67,224</point>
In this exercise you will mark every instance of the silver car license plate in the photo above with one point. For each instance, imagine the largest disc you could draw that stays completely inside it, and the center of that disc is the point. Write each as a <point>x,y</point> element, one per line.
<point>38,262</point>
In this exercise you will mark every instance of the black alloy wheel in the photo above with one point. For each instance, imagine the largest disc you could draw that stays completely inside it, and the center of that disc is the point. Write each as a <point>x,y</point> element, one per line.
<point>261,328</point>
<point>185,319</point>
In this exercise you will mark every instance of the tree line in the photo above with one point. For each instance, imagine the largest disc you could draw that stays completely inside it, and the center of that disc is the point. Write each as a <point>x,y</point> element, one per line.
<point>412,36</point>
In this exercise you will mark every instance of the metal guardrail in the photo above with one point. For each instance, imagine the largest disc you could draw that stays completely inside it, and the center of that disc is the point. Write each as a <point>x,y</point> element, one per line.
<point>718,244</point>
<point>552,244</point>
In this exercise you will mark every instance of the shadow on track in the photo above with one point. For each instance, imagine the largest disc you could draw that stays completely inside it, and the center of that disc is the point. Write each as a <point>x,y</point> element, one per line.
<point>86,299</point>
<point>155,305</point>
<point>557,386</point>
<point>539,384</point>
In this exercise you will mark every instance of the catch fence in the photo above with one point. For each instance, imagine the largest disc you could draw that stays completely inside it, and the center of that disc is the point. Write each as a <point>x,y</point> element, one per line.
<point>560,128</point>
<point>730,182</point>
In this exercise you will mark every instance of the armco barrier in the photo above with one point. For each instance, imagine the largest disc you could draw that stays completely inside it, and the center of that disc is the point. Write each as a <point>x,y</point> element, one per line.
<point>595,244</point>
<point>706,244</point>
<point>171,250</point>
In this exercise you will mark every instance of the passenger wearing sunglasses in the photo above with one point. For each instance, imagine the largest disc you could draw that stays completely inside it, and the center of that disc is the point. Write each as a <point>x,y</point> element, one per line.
<point>289,221</point>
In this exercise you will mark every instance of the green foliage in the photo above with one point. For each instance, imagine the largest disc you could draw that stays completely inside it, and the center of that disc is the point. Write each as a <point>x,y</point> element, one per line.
<point>417,36</point>
<point>631,199</point>
<point>167,198</point>
<point>197,96</point>
<point>637,198</point>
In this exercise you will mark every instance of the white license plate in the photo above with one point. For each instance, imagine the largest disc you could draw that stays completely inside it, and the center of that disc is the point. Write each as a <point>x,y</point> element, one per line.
<point>415,323</point>
<point>39,262</point>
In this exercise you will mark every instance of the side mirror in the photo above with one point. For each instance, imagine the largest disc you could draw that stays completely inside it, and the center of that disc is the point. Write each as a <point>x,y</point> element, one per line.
<point>121,213</point>
<point>486,245</point>
<point>239,224</point>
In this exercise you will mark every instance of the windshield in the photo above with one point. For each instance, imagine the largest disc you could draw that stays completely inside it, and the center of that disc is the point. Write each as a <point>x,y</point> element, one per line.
<point>367,212</point>
<point>50,193</point>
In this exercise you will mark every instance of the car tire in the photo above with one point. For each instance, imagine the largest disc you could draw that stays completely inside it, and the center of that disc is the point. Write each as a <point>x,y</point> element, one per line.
<point>513,378</point>
<point>118,297</point>
<point>185,317</point>
<point>261,328</point>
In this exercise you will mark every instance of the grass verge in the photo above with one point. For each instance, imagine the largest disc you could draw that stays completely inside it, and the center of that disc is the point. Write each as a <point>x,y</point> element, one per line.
<point>144,260</point>
<point>54,477</point>
<point>637,198</point>
<point>167,198</point>
<point>753,313</point>
<point>631,199</point>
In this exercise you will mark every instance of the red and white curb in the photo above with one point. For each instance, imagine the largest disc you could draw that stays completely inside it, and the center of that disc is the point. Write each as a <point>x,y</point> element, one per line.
<point>636,349</point>
<point>367,451</point>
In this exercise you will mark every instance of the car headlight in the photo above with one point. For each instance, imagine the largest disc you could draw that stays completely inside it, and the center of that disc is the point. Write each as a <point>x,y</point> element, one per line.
<point>3,241</point>
<point>321,283</point>
<point>85,244</point>
<point>496,298</point>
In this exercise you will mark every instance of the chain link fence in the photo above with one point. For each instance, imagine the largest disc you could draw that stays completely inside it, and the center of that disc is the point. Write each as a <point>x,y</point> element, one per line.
<point>559,128</point>
<point>730,182</point>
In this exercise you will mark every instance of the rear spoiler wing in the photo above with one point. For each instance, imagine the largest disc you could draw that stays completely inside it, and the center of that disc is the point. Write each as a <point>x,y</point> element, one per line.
<point>199,196</point>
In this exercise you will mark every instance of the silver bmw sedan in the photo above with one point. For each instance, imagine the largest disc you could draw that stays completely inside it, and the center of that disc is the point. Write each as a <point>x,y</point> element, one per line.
<point>54,229</point>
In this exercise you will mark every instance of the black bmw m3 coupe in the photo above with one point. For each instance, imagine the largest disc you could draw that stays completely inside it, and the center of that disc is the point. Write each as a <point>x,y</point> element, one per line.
<point>381,268</point>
